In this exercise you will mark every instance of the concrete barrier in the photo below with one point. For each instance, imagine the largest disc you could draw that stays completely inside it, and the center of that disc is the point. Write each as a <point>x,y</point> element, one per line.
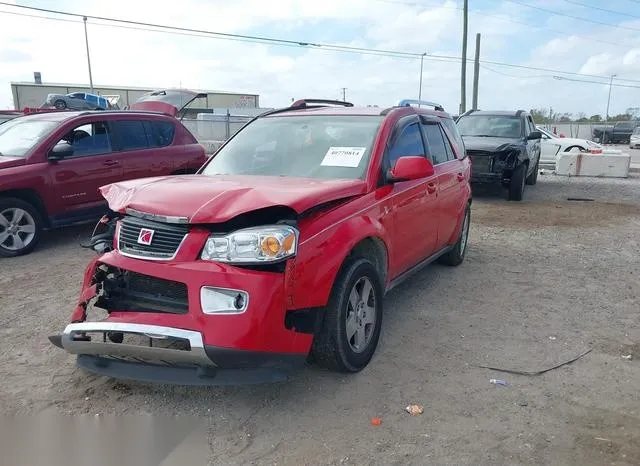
<point>598,165</point>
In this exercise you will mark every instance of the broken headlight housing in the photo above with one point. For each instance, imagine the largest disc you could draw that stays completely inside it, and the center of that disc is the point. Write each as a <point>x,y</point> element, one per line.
<point>256,245</point>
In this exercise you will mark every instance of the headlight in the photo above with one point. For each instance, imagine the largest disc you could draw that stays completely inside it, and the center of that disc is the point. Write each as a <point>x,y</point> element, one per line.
<point>252,245</point>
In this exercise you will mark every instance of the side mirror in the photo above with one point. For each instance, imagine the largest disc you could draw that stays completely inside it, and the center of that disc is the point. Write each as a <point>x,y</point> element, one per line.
<point>411,168</point>
<point>60,151</point>
<point>534,135</point>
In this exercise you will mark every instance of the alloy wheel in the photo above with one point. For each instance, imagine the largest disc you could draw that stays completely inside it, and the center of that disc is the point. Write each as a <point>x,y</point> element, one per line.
<point>17,229</point>
<point>361,315</point>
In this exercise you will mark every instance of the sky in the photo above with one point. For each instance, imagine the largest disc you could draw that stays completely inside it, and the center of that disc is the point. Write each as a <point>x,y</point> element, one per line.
<point>530,33</point>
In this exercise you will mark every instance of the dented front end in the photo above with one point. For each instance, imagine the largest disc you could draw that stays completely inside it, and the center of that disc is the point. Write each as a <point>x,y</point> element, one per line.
<point>494,165</point>
<point>157,312</point>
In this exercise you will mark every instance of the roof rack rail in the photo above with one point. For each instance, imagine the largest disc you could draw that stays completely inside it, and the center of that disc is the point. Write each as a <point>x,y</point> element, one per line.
<point>469,112</point>
<point>306,102</point>
<point>519,112</point>
<point>426,103</point>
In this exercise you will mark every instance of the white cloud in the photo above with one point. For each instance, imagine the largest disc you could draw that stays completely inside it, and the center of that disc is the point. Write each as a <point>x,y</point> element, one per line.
<point>122,56</point>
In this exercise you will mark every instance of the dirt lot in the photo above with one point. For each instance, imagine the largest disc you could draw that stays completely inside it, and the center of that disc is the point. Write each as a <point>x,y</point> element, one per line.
<point>544,280</point>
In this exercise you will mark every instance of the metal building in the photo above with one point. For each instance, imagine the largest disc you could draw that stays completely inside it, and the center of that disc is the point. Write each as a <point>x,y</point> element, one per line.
<point>30,94</point>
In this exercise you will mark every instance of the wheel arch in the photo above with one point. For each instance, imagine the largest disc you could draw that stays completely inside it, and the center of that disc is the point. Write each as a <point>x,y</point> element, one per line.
<point>32,197</point>
<point>319,265</point>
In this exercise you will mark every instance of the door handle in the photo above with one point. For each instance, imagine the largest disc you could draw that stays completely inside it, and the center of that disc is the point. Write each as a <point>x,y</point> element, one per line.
<point>460,177</point>
<point>431,188</point>
<point>110,163</point>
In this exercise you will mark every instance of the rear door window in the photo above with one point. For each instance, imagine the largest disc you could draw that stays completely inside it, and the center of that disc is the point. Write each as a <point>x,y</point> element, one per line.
<point>131,134</point>
<point>457,141</point>
<point>437,151</point>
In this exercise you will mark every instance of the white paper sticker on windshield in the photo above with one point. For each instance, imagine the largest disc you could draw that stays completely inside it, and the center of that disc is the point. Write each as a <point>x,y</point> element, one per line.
<point>343,157</point>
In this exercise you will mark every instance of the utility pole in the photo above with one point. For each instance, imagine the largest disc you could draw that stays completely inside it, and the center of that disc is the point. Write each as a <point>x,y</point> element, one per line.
<point>606,117</point>
<point>463,74</point>
<point>421,66</point>
<point>476,73</point>
<point>344,94</point>
<point>86,40</point>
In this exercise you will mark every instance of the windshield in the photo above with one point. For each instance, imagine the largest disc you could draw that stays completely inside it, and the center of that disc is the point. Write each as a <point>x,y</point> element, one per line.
<point>19,136</point>
<point>321,146</point>
<point>497,126</point>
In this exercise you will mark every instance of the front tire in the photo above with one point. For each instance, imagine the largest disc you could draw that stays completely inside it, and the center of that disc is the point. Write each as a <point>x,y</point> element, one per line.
<point>516,186</point>
<point>20,227</point>
<point>456,255</point>
<point>352,319</point>
<point>533,178</point>
<point>60,104</point>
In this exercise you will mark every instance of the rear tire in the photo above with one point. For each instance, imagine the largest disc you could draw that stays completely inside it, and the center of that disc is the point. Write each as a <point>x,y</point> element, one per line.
<point>60,104</point>
<point>516,186</point>
<point>20,227</point>
<point>456,255</point>
<point>352,319</point>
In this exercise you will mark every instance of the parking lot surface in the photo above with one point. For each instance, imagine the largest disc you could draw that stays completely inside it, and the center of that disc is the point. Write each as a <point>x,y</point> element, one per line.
<point>544,280</point>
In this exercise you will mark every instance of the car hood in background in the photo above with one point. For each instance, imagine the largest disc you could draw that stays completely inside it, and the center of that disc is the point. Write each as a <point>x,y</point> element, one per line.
<point>490,144</point>
<point>169,101</point>
<point>215,199</point>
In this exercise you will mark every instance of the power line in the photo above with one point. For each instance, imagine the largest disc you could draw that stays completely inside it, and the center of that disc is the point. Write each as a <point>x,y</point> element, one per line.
<point>151,27</point>
<point>504,18</point>
<point>566,15</point>
<point>602,9</point>
<point>559,78</point>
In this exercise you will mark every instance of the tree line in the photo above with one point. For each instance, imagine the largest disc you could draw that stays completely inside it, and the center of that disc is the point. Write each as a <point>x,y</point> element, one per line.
<point>547,115</point>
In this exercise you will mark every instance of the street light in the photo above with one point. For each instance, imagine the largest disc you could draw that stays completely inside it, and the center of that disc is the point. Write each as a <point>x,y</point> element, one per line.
<point>86,41</point>
<point>606,116</point>
<point>421,66</point>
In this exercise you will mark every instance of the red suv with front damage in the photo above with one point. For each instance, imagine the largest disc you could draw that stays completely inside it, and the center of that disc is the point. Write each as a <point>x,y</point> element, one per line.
<point>281,247</point>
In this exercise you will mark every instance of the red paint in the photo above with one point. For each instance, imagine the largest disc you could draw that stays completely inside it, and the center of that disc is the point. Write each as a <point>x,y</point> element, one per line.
<point>412,218</point>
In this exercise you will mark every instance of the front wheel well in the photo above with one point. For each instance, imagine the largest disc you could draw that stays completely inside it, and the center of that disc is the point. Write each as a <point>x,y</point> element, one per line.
<point>30,196</point>
<point>374,249</point>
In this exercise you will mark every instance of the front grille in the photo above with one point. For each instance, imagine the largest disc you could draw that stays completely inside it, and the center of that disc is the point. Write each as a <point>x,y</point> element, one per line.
<point>165,240</point>
<point>481,161</point>
<point>132,291</point>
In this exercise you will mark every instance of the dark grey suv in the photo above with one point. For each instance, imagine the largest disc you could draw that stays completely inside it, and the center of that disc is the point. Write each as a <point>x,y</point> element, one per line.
<point>504,147</point>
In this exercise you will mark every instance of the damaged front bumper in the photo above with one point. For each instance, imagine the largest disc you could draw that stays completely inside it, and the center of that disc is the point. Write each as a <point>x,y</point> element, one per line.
<point>146,338</point>
<point>171,355</point>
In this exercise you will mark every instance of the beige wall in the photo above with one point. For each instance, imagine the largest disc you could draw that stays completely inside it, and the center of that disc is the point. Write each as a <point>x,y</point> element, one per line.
<point>34,96</point>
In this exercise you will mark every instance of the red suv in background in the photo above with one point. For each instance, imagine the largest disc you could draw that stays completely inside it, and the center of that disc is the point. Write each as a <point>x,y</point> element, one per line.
<point>52,164</point>
<point>282,246</point>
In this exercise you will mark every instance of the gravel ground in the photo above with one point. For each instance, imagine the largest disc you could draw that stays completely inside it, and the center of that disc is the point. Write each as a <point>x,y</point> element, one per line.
<point>544,280</point>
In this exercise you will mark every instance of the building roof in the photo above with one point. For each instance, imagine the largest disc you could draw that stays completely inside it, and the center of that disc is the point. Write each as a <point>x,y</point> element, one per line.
<point>118,88</point>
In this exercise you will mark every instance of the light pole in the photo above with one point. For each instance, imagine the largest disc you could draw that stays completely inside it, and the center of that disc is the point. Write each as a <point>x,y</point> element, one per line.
<point>86,40</point>
<point>421,67</point>
<point>606,116</point>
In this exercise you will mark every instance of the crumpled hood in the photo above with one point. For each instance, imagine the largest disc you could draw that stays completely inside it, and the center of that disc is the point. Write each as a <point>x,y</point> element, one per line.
<point>490,144</point>
<point>8,162</point>
<point>215,199</point>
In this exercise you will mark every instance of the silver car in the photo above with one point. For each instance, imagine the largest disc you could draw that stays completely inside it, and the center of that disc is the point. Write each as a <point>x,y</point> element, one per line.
<point>77,101</point>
